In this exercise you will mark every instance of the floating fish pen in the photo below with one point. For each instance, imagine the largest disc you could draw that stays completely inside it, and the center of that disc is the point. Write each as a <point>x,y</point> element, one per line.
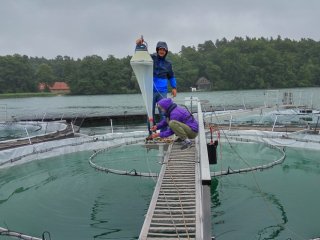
<point>15,134</point>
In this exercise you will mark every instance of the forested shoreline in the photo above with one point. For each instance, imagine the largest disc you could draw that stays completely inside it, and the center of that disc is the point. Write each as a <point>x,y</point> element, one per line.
<point>240,63</point>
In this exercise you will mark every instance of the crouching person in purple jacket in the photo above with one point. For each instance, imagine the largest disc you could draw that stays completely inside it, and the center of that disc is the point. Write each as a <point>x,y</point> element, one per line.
<point>180,121</point>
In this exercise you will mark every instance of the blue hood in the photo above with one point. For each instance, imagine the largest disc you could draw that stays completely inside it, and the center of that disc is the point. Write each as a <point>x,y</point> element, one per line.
<point>162,45</point>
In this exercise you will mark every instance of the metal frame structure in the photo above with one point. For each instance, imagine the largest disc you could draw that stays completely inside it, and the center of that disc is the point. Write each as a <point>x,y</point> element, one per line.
<point>180,207</point>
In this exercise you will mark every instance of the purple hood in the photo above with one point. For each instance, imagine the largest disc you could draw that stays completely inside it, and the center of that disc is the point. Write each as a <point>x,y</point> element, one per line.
<point>165,103</point>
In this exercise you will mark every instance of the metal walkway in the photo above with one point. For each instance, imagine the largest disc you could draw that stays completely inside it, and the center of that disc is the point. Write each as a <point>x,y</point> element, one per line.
<point>180,206</point>
<point>172,214</point>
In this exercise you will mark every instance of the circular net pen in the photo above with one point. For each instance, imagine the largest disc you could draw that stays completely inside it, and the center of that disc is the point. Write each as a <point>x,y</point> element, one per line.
<point>18,235</point>
<point>137,161</point>
<point>15,130</point>
<point>249,168</point>
<point>16,134</point>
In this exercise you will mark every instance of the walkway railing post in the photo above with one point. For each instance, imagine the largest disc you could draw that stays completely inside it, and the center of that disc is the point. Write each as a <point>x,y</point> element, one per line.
<point>205,178</point>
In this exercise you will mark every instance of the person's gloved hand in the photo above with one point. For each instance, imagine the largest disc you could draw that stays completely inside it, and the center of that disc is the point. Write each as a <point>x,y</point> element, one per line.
<point>153,128</point>
<point>174,92</point>
<point>149,138</point>
<point>155,135</point>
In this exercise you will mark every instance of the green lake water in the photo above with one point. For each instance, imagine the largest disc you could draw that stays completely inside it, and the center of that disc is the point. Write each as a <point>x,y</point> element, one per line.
<point>278,203</point>
<point>71,200</point>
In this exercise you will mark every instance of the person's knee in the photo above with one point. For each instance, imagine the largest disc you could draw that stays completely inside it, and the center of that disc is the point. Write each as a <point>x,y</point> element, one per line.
<point>173,123</point>
<point>193,136</point>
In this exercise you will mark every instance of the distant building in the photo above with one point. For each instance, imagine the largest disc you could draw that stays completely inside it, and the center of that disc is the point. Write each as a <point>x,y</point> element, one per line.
<point>59,87</point>
<point>203,84</point>
<point>193,89</point>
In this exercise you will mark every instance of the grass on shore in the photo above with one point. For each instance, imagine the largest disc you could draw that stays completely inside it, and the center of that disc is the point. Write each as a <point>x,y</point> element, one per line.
<point>25,95</point>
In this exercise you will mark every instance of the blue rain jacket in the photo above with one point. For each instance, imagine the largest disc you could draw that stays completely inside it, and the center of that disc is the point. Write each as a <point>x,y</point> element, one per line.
<point>162,73</point>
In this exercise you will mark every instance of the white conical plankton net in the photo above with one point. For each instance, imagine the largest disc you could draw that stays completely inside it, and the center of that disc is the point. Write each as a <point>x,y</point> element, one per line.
<point>142,65</point>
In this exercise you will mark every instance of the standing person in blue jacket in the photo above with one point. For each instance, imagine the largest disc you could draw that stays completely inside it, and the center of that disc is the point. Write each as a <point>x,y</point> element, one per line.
<point>162,73</point>
<point>180,121</point>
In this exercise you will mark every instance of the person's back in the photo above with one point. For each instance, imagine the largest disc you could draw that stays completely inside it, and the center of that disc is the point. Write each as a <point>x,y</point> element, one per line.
<point>181,114</point>
<point>181,122</point>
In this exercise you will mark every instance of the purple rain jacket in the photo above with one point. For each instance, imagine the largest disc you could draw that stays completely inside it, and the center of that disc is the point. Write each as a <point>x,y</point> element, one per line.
<point>175,112</point>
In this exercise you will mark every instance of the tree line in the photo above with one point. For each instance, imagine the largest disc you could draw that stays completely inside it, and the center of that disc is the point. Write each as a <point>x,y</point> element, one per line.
<point>240,63</point>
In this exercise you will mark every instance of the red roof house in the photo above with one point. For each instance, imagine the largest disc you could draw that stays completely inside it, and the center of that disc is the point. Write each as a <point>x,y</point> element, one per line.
<point>59,87</point>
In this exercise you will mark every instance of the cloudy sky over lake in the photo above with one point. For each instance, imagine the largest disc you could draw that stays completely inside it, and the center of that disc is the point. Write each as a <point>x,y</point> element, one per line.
<point>78,28</point>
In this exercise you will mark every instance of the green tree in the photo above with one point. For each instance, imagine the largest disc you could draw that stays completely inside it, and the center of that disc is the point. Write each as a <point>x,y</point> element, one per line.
<point>240,63</point>
<point>90,79</point>
<point>16,74</point>
<point>44,74</point>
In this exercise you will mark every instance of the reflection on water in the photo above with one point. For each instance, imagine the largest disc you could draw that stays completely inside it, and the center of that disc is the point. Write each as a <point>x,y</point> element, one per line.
<point>73,201</point>
<point>273,204</point>
<point>65,196</point>
<point>273,231</point>
<point>16,191</point>
<point>270,201</point>
<point>99,222</point>
<point>305,163</point>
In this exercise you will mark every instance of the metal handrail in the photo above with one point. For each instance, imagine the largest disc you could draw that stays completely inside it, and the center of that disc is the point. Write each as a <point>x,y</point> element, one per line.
<point>205,179</point>
<point>203,152</point>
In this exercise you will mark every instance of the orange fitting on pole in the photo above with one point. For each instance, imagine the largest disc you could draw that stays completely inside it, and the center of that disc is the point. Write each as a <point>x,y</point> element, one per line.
<point>211,133</point>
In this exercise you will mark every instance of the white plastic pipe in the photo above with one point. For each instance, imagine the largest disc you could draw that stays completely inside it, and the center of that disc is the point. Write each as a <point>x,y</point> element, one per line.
<point>28,136</point>
<point>274,124</point>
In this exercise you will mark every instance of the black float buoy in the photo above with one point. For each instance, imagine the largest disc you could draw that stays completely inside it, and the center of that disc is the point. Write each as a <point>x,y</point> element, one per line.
<point>212,149</point>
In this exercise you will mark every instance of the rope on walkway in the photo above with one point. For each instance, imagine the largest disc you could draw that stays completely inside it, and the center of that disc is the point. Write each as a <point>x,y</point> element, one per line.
<point>171,217</point>
<point>181,207</point>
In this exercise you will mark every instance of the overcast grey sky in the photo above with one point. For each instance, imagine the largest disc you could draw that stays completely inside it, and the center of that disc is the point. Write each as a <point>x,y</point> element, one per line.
<point>78,28</point>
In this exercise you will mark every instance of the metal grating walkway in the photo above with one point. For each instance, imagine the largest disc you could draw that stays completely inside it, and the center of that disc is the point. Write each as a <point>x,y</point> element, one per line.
<point>180,207</point>
<point>173,208</point>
